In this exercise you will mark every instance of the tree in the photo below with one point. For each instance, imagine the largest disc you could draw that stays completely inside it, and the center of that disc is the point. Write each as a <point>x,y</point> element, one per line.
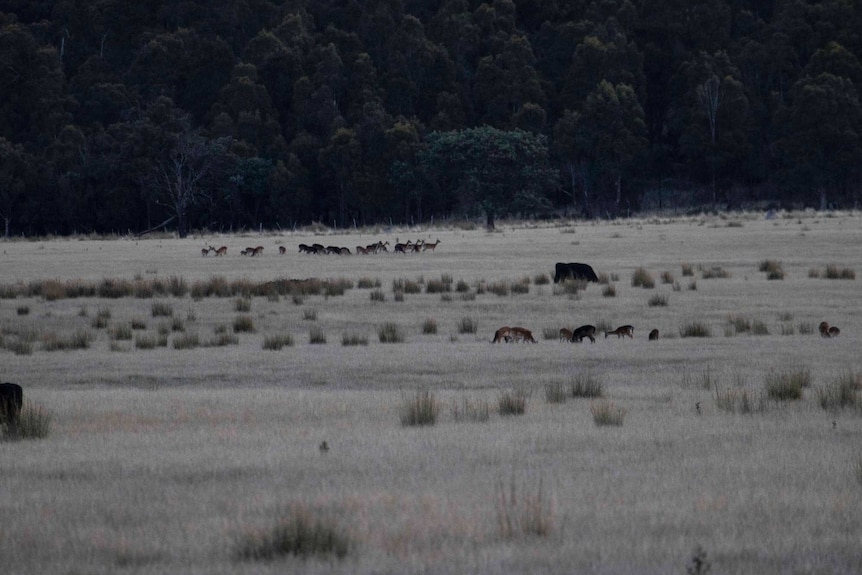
<point>13,166</point>
<point>490,170</point>
<point>182,178</point>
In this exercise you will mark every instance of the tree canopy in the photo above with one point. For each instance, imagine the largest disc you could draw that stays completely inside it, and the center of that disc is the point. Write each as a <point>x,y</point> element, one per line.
<point>284,112</point>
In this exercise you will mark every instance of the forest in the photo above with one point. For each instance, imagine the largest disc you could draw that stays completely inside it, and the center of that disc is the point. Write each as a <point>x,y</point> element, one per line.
<point>119,117</point>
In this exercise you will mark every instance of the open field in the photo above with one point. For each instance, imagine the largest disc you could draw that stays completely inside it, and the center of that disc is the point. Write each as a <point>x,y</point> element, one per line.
<point>167,460</point>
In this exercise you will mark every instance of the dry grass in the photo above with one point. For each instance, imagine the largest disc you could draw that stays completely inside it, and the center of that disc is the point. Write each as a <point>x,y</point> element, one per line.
<point>157,458</point>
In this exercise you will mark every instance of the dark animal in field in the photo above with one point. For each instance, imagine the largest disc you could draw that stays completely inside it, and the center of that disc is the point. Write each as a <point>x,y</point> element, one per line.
<point>282,250</point>
<point>565,334</point>
<point>575,271</point>
<point>584,331</point>
<point>502,334</point>
<point>11,402</point>
<point>306,249</point>
<point>653,335</point>
<point>522,334</point>
<point>834,331</point>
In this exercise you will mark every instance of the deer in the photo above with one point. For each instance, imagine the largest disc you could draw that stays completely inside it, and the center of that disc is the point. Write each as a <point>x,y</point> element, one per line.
<point>622,331</point>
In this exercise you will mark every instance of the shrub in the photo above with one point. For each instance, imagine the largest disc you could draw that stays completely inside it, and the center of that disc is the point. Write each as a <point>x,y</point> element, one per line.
<point>609,290</point>
<point>406,286</point>
<point>439,286</point>
<point>34,422</point>
<point>102,318</point>
<point>666,277</point>
<point>687,270</point>
<point>805,328</point>
<point>541,279</point>
<point>429,326</point>
<point>513,402</point>
<point>468,325</point>
<point>79,340</point>
<point>23,310</point>
<point>177,324</point>
<point>642,278</point>
<point>500,288</point>
<point>242,304</point>
<point>586,385</point>
<point>549,333</point>
<point>221,340</point>
<point>316,336</point>
<point>833,272</point>
<point>138,323</point>
<point>390,333</point>
<point>787,385</point>
<point>161,309</point>
<point>277,341</point>
<point>759,328</point>
<point>421,409</point>
<point>368,283</point>
<point>715,272</point>
<point>520,514</point>
<point>607,413</point>
<point>377,295</point>
<point>657,300</point>
<point>302,534</point>
<point>309,314</point>
<point>122,331</point>
<point>186,341</point>
<point>555,392</point>
<point>695,329</point>
<point>145,341</point>
<point>349,339</point>
<point>462,287</point>
<point>841,393</point>
<point>471,411</point>
<point>740,324</point>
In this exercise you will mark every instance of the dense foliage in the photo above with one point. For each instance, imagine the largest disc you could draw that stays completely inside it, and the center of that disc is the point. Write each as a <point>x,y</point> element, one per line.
<point>121,116</point>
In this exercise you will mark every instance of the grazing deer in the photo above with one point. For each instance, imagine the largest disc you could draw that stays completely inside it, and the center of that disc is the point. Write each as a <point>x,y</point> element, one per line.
<point>417,247</point>
<point>502,334</point>
<point>565,334</point>
<point>221,251</point>
<point>429,246</point>
<point>653,335</point>
<point>256,251</point>
<point>305,249</point>
<point>523,334</point>
<point>622,331</point>
<point>584,331</point>
<point>205,251</point>
<point>834,331</point>
<point>282,250</point>
<point>361,250</point>
<point>824,329</point>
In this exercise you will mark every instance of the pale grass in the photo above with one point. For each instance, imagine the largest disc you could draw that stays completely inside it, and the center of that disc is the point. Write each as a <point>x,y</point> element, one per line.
<point>158,459</point>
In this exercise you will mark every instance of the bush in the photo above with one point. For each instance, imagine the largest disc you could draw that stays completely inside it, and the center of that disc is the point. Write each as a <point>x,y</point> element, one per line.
<point>145,341</point>
<point>468,325</point>
<point>429,326</point>
<point>316,336</point>
<point>278,341</point>
<point>657,300</point>
<point>471,411</point>
<point>609,290</point>
<point>694,329</point>
<point>34,422</point>
<point>242,304</point>
<point>841,393</point>
<point>390,333</point>
<point>833,272</point>
<point>301,535</point>
<point>586,385</point>
<point>541,279</point>
<point>243,324</point>
<point>309,314</point>
<point>161,309</point>
<point>513,402</point>
<point>368,283</point>
<point>377,295</point>
<point>186,341</point>
<point>642,278</point>
<point>607,413</point>
<point>421,409</point>
<point>667,277</point>
<point>787,385</point>
<point>350,339</point>
<point>687,270</point>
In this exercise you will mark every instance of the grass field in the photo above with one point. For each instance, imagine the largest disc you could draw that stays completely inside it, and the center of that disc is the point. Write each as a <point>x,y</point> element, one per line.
<point>187,431</point>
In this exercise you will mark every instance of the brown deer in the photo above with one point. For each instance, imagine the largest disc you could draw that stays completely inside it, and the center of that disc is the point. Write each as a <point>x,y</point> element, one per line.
<point>282,250</point>
<point>205,251</point>
<point>584,331</point>
<point>429,246</point>
<point>256,251</point>
<point>523,334</point>
<point>622,331</point>
<point>221,251</point>
<point>361,250</point>
<point>824,329</point>
<point>834,331</point>
<point>502,334</point>
<point>653,335</point>
<point>565,334</point>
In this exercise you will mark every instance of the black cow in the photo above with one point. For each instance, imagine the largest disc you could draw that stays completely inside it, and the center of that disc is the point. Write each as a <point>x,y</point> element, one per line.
<point>574,271</point>
<point>11,401</point>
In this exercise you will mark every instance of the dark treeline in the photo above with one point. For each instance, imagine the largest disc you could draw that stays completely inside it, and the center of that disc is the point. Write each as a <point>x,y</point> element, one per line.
<point>219,115</point>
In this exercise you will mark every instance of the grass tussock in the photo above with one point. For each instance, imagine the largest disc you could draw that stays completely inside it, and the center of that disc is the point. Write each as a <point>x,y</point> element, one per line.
<point>606,412</point>
<point>571,287</point>
<point>301,534</point>
<point>390,332</point>
<point>242,305</point>
<point>667,278</point>
<point>316,336</point>
<point>609,290</point>
<point>512,402</point>
<point>146,341</point>
<point>368,283</point>
<point>377,296</point>
<point>186,341</point>
<point>541,279</point>
<point>406,286</point>
<point>695,329</point>
<point>34,422</point>
<point>161,309</point>
<point>470,410</point>
<point>351,339</point>
<point>835,272</point>
<point>586,385</point>
<point>468,325</point>
<point>740,401</point>
<point>657,300</point>
<point>243,324</point>
<point>429,326</point>
<point>772,268</point>
<point>555,392</point>
<point>643,279</point>
<point>787,385</point>
<point>419,410</point>
<point>714,272</point>
<point>687,269</point>
<point>277,341</point>
<point>524,513</point>
<point>841,393</point>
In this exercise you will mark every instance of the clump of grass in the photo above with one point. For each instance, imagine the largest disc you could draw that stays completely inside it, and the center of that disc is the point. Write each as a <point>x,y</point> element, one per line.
<point>161,309</point>
<point>541,279</point>
<point>805,328</point>
<point>607,413</point>
<point>178,325</point>
<point>309,314</point>
<point>462,287</point>
<point>642,278</point>
<point>81,339</point>
<point>350,339</point>
<point>33,422</point>
<point>368,283</point>
<point>657,300</point>
<point>834,272</point>
<point>841,393</point>
<point>586,385</point>
<point>687,269</point>
<point>119,332</point>
<point>138,323</point>
<point>23,310</point>
<point>787,329</point>
<point>609,290</point>
<point>421,409</point>
<point>550,333</point>
<point>570,287</point>
<point>406,286</point>
<point>390,333</point>
<point>667,277</point>
<point>301,534</point>
<point>512,402</point>
<point>242,305</point>
<point>694,329</point>
<point>715,272</point>
<point>692,285</point>
<point>787,384</point>
<point>316,336</point>
<point>221,340</point>
<point>145,341</point>
<point>772,268</point>
<point>468,325</point>
<point>103,317</point>
<point>444,284</point>
<point>429,326</point>
<point>469,410</point>
<point>739,323</point>
<point>277,341</point>
<point>739,401</point>
<point>377,295</point>
<point>500,288</point>
<point>813,273</point>
<point>758,327</point>
<point>524,514</point>
<point>186,341</point>
<point>555,392</point>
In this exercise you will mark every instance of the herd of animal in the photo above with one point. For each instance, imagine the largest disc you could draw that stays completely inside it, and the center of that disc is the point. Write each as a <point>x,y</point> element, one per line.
<point>375,248</point>
<point>508,334</point>
<point>827,330</point>
<point>249,251</point>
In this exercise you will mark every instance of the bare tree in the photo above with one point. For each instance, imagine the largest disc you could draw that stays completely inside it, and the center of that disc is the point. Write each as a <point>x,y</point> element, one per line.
<point>181,178</point>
